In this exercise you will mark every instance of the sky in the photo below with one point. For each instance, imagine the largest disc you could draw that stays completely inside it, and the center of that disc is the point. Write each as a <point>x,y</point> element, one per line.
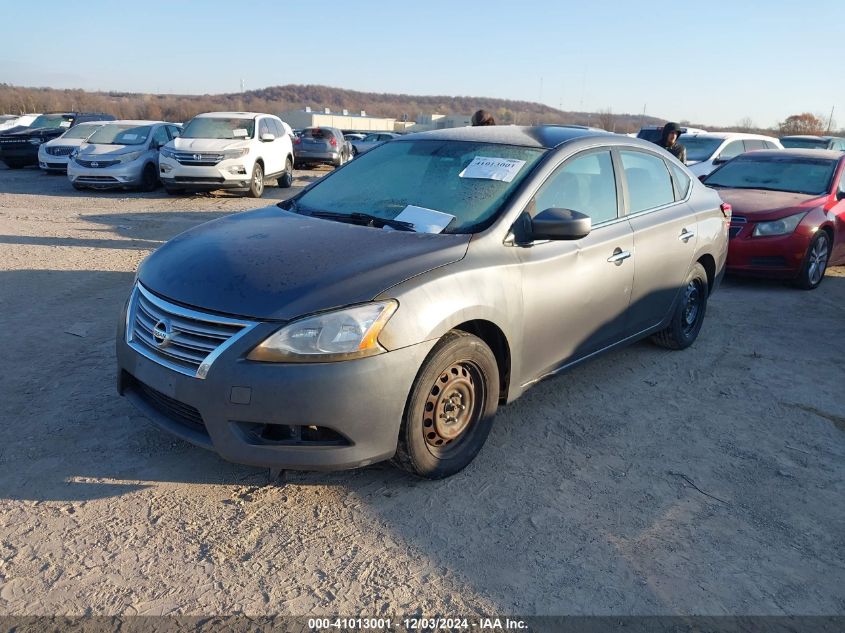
<point>714,62</point>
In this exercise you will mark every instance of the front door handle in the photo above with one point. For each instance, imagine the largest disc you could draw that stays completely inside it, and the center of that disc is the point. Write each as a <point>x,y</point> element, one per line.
<point>686,235</point>
<point>619,256</point>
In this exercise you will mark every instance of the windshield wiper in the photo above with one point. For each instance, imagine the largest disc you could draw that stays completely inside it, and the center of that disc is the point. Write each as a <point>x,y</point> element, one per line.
<point>362,218</point>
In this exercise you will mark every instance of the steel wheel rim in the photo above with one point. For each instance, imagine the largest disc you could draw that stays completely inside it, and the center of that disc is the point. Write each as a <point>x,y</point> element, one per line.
<point>818,260</point>
<point>692,305</point>
<point>258,179</point>
<point>453,406</point>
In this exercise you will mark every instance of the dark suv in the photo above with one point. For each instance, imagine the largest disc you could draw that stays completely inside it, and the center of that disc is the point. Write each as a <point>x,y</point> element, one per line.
<point>19,149</point>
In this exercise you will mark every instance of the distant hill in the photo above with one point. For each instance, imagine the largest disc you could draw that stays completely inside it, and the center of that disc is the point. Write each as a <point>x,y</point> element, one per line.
<point>277,99</point>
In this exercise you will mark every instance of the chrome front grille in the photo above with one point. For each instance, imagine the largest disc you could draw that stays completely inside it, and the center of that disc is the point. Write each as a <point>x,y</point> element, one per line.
<point>97,164</point>
<point>180,339</point>
<point>203,159</point>
<point>60,150</point>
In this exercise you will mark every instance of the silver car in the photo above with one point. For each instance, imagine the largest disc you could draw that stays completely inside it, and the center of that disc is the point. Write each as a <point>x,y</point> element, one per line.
<point>121,155</point>
<point>388,310</point>
<point>372,140</point>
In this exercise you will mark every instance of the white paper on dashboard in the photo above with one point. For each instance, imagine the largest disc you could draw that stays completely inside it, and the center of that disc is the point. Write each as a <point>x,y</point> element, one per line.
<point>64,124</point>
<point>504,169</point>
<point>425,220</point>
<point>130,137</point>
<point>239,132</point>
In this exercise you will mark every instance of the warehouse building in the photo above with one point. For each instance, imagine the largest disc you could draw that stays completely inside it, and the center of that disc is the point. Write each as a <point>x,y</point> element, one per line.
<point>343,120</point>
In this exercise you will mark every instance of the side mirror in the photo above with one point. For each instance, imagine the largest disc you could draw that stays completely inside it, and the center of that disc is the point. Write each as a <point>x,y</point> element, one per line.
<point>720,160</point>
<point>560,224</point>
<point>266,137</point>
<point>703,177</point>
<point>840,195</point>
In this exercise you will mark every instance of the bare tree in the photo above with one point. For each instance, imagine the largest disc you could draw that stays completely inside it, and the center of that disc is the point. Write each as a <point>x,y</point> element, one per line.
<point>607,120</point>
<point>806,123</point>
<point>745,124</point>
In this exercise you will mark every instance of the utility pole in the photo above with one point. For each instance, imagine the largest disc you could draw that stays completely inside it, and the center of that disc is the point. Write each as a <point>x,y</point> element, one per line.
<point>830,119</point>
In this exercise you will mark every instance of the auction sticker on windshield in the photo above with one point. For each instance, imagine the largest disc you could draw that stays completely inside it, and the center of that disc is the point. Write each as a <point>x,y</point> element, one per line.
<point>504,169</point>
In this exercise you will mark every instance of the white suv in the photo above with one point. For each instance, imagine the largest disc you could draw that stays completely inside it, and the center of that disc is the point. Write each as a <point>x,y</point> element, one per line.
<point>228,150</point>
<point>707,151</point>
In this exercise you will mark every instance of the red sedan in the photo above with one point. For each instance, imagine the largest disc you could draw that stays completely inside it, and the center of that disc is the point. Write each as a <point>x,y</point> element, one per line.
<point>788,213</point>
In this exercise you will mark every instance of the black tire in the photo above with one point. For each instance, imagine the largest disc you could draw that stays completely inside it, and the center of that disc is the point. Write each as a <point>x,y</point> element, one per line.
<point>285,181</point>
<point>354,152</point>
<point>149,178</point>
<point>172,191</point>
<point>431,443</point>
<point>688,317</point>
<point>256,182</point>
<point>815,262</point>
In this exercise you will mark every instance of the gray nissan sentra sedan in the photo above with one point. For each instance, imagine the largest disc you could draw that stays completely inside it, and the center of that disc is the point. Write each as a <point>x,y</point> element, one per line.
<point>388,310</point>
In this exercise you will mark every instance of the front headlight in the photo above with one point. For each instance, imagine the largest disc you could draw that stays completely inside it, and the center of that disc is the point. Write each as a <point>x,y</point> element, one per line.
<point>333,336</point>
<point>128,158</point>
<point>167,152</point>
<point>778,227</point>
<point>235,153</point>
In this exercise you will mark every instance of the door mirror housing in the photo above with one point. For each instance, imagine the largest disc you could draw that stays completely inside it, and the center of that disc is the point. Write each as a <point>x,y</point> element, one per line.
<point>720,160</point>
<point>267,137</point>
<point>840,195</point>
<point>560,224</point>
<point>703,177</point>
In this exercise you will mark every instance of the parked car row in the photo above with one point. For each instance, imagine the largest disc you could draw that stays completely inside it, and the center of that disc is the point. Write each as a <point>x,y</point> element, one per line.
<point>217,150</point>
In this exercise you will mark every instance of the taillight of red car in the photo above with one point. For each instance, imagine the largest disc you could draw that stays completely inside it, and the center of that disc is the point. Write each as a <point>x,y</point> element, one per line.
<point>297,140</point>
<point>726,210</point>
<point>333,142</point>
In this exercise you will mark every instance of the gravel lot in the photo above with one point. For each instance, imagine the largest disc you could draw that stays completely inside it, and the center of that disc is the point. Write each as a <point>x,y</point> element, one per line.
<point>708,481</point>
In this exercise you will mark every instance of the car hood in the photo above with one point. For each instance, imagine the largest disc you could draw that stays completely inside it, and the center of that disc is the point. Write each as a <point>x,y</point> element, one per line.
<point>207,144</point>
<point>762,204</point>
<point>67,142</point>
<point>106,150</point>
<point>277,265</point>
<point>39,132</point>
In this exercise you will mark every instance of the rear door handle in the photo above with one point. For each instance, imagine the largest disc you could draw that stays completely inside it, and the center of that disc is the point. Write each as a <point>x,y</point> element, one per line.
<point>619,256</point>
<point>686,236</point>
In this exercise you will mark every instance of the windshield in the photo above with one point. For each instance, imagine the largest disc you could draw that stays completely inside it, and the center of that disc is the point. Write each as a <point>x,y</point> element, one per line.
<point>83,130</point>
<point>51,121</point>
<point>796,175</point>
<point>698,147</point>
<point>652,135</point>
<point>120,135</point>
<point>434,175</point>
<point>804,143</point>
<point>212,127</point>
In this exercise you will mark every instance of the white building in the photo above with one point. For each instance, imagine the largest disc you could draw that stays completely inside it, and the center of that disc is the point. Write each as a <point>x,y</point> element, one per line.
<point>343,120</point>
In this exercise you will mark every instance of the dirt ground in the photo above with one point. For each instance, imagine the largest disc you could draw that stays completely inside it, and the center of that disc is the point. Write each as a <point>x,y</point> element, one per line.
<point>708,481</point>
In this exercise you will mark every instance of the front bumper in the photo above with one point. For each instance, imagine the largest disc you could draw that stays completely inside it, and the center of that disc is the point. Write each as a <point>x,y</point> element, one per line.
<point>114,177</point>
<point>51,163</point>
<point>21,153</point>
<point>175,175</point>
<point>362,401</point>
<point>779,257</point>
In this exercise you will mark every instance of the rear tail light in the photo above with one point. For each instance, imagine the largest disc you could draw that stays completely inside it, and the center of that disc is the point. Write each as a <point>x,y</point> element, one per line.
<point>726,210</point>
<point>297,141</point>
<point>333,142</point>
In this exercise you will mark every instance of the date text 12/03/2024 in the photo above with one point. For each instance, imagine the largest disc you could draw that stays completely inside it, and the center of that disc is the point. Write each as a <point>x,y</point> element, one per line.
<point>416,624</point>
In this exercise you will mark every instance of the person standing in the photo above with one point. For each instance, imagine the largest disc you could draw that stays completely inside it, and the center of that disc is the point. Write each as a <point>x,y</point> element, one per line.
<point>669,141</point>
<point>483,117</point>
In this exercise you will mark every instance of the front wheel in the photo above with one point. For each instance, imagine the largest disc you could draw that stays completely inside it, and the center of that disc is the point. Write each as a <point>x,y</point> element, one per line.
<point>688,317</point>
<point>451,407</point>
<point>256,184</point>
<point>815,262</point>
<point>285,181</point>
<point>149,178</point>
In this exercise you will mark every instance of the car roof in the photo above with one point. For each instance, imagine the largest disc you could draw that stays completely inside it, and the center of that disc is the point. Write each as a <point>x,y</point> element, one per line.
<point>813,137</point>
<point>541,136</point>
<point>128,122</point>
<point>796,153</point>
<point>727,135</point>
<point>236,115</point>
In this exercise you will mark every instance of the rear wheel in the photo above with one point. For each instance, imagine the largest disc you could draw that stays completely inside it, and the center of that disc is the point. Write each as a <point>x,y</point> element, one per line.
<point>688,317</point>
<point>451,407</point>
<point>149,178</point>
<point>256,185</point>
<point>285,181</point>
<point>815,262</point>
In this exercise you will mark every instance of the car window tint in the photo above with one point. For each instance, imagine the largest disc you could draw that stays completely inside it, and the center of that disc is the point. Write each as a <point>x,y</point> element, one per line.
<point>174,131</point>
<point>584,183</point>
<point>681,180</point>
<point>160,136</point>
<point>751,144</point>
<point>263,128</point>
<point>649,184</point>
<point>371,138</point>
<point>734,148</point>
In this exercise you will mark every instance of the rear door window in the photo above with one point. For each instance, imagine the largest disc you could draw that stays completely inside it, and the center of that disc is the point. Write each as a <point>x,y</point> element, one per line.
<point>752,144</point>
<point>732,149</point>
<point>648,180</point>
<point>584,183</point>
